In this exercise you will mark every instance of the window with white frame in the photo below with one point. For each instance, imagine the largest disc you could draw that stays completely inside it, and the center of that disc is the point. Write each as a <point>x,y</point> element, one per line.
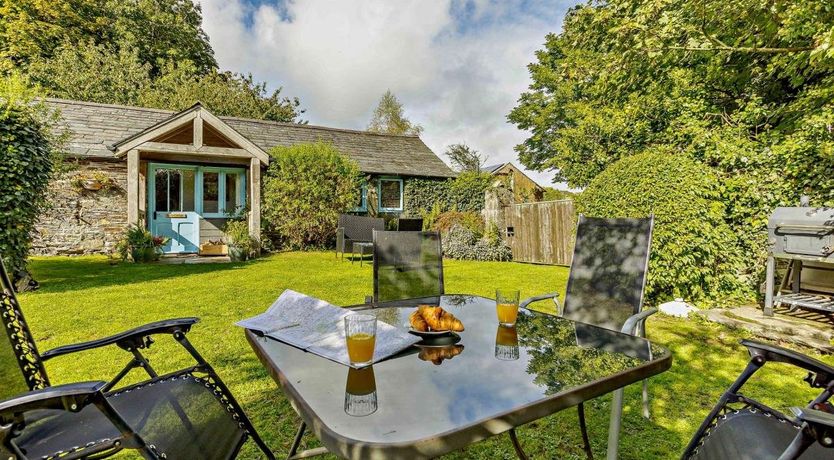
<point>390,194</point>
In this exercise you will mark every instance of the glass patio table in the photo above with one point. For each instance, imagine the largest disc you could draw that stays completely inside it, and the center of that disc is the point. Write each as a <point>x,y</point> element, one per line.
<point>419,405</point>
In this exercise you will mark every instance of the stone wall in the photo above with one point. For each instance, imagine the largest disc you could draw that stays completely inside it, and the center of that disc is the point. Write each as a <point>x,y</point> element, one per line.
<point>82,221</point>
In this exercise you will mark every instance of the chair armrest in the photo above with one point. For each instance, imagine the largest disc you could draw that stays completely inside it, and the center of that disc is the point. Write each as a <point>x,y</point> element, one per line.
<point>775,353</point>
<point>633,321</point>
<point>821,424</point>
<point>131,339</point>
<point>553,295</point>
<point>67,397</point>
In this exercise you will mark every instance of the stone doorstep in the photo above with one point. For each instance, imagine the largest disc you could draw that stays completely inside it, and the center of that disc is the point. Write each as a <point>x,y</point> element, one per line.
<point>801,327</point>
<point>175,259</point>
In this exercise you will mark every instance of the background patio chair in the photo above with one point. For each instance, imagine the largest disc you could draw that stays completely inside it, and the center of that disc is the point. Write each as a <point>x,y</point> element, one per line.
<point>187,414</point>
<point>355,229</point>
<point>409,225</point>
<point>407,265</point>
<point>742,428</point>
<point>605,288</point>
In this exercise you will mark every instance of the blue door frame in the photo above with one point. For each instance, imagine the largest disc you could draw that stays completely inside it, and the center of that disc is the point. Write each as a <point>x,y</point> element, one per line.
<point>182,225</point>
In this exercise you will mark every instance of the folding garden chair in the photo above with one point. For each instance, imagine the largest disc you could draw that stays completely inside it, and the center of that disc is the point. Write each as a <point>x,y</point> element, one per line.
<point>187,414</point>
<point>407,265</point>
<point>740,427</point>
<point>605,288</point>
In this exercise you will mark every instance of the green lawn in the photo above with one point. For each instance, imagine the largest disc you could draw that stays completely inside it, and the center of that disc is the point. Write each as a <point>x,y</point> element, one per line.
<point>85,297</point>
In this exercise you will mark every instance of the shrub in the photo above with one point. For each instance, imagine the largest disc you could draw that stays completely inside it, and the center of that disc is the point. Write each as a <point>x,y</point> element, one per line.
<point>240,240</point>
<point>461,243</point>
<point>421,195</point>
<point>305,189</point>
<point>695,254</point>
<point>471,221</point>
<point>27,163</point>
<point>467,190</point>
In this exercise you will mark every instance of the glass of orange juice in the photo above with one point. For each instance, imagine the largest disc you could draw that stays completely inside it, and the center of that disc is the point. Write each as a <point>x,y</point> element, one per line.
<point>507,304</point>
<point>360,334</point>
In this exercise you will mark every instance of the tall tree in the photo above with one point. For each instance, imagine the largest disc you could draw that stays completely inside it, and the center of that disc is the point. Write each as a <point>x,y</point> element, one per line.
<point>464,158</point>
<point>389,117</point>
<point>160,31</point>
<point>745,87</point>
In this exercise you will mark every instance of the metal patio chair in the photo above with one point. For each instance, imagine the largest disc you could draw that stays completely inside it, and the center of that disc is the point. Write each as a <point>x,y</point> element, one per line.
<point>605,288</point>
<point>187,414</point>
<point>355,229</point>
<point>740,427</point>
<point>409,225</point>
<point>407,265</point>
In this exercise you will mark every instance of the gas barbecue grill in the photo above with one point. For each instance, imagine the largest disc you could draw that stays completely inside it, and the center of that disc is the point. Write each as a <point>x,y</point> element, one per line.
<point>804,237</point>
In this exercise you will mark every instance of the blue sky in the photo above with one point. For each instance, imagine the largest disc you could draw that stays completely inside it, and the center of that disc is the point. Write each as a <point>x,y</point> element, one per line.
<point>458,66</point>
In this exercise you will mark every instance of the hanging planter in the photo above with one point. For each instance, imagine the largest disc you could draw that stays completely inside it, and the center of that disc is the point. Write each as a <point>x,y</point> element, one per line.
<point>92,182</point>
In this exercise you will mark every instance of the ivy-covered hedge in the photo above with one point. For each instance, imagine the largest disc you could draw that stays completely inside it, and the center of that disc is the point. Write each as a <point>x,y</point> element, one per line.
<point>695,254</point>
<point>463,193</point>
<point>304,190</point>
<point>26,167</point>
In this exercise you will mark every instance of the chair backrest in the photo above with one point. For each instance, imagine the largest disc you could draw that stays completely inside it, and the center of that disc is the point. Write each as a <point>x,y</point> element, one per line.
<point>21,368</point>
<point>409,225</point>
<point>360,228</point>
<point>608,271</point>
<point>407,265</point>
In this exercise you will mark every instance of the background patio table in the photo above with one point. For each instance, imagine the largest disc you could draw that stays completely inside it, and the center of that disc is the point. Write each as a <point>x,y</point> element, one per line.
<point>426,410</point>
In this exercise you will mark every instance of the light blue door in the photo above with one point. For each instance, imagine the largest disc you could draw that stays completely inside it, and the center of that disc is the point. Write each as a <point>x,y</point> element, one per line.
<point>172,197</point>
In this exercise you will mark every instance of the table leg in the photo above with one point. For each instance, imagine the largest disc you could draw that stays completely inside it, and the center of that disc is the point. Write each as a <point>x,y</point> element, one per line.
<point>771,268</point>
<point>614,426</point>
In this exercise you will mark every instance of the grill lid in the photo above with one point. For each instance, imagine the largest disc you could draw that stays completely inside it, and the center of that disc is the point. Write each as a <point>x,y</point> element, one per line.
<point>800,220</point>
<point>802,232</point>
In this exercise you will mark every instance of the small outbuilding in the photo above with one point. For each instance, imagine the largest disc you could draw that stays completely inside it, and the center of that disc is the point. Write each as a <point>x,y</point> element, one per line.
<point>508,175</point>
<point>182,174</point>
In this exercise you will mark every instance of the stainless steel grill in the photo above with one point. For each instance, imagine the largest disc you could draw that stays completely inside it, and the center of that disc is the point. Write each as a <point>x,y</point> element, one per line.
<point>804,237</point>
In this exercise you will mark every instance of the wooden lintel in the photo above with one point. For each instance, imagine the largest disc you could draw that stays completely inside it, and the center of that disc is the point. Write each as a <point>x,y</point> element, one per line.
<point>192,150</point>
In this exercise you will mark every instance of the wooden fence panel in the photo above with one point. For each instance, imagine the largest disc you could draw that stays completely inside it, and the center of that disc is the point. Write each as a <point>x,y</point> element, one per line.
<point>542,232</point>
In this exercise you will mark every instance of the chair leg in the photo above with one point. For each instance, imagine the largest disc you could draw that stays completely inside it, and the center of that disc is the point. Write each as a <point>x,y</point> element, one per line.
<point>646,412</point>
<point>517,445</point>
<point>580,409</point>
<point>614,426</point>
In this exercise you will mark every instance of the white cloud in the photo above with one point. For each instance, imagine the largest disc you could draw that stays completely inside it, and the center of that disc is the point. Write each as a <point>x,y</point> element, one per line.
<point>458,70</point>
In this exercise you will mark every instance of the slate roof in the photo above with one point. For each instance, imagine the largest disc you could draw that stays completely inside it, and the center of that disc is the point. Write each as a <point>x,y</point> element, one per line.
<point>94,128</point>
<point>492,168</point>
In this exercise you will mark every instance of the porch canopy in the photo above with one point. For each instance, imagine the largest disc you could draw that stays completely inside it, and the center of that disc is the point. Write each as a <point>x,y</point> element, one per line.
<point>217,172</point>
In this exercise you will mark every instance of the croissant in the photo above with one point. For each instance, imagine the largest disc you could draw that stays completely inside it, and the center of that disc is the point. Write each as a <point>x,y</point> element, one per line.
<point>417,322</point>
<point>439,319</point>
<point>437,355</point>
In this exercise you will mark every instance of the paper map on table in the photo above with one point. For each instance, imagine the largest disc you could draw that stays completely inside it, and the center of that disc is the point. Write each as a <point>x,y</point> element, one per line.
<point>318,327</point>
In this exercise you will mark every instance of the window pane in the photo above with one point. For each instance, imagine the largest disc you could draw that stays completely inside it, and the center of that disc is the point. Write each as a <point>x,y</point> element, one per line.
<point>211,192</point>
<point>187,189</point>
<point>231,193</point>
<point>161,190</point>
<point>390,194</point>
<point>174,190</point>
<point>360,202</point>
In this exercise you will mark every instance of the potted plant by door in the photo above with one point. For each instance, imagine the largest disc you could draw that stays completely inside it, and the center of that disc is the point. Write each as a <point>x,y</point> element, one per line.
<point>242,245</point>
<point>141,245</point>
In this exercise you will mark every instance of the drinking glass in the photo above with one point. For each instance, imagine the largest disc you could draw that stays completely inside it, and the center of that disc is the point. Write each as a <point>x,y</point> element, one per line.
<point>360,335</point>
<point>507,305</point>
<point>506,343</point>
<point>360,392</point>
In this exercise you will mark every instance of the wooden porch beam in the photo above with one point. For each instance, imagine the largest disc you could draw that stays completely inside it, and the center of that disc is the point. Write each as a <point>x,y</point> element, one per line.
<point>163,147</point>
<point>198,131</point>
<point>255,198</point>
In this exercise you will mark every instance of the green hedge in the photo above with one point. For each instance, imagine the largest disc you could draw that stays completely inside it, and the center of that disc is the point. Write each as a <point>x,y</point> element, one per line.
<point>695,254</point>
<point>304,190</point>
<point>463,193</point>
<point>26,167</point>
